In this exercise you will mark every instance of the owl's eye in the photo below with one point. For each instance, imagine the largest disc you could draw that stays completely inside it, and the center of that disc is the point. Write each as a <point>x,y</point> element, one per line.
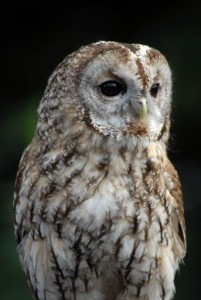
<point>112,88</point>
<point>154,89</point>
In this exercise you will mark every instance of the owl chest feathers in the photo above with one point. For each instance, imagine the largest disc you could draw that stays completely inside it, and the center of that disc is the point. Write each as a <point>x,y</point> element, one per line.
<point>112,210</point>
<point>124,201</point>
<point>118,195</point>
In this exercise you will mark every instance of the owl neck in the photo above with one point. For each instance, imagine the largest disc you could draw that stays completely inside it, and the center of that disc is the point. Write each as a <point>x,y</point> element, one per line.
<point>87,135</point>
<point>134,136</point>
<point>148,131</point>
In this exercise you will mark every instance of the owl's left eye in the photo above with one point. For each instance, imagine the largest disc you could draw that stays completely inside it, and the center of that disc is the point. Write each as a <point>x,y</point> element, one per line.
<point>154,89</point>
<point>112,88</point>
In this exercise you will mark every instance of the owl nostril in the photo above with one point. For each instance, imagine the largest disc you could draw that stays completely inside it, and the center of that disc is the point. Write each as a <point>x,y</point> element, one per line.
<point>142,101</point>
<point>139,102</point>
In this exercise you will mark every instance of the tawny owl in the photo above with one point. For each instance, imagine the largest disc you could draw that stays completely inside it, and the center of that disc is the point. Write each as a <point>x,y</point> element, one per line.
<point>98,205</point>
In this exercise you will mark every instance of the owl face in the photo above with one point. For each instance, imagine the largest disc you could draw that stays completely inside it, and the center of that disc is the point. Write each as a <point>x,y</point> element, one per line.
<point>117,90</point>
<point>126,90</point>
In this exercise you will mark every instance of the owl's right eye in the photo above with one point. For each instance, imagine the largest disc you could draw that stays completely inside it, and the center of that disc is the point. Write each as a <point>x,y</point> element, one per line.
<point>112,88</point>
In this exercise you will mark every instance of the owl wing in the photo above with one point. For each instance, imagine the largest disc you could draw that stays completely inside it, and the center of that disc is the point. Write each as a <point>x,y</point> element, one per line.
<point>177,216</point>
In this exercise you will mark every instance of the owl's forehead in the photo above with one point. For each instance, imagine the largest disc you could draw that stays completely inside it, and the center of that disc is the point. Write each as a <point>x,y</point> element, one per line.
<point>134,60</point>
<point>146,54</point>
<point>126,51</point>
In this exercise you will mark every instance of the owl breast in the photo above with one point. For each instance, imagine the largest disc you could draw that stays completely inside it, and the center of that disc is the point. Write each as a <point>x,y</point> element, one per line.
<point>115,220</point>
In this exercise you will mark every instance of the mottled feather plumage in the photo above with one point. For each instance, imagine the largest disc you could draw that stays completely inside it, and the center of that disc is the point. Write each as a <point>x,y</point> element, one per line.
<point>98,205</point>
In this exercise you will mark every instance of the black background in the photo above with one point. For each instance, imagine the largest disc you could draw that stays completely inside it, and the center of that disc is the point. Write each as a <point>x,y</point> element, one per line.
<point>36,36</point>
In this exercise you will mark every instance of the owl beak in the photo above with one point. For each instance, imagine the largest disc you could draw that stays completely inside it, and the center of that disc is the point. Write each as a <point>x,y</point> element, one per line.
<point>143,108</point>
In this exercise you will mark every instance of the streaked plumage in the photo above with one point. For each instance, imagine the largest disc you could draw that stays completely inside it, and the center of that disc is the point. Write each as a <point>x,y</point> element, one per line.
<point>98,205</point>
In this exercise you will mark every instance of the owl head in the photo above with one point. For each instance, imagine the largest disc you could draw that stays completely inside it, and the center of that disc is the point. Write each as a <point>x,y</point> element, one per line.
<point>114,89</point>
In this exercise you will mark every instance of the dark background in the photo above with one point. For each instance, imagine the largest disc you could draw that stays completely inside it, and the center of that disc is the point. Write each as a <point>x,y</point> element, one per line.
<point>35,37</point>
